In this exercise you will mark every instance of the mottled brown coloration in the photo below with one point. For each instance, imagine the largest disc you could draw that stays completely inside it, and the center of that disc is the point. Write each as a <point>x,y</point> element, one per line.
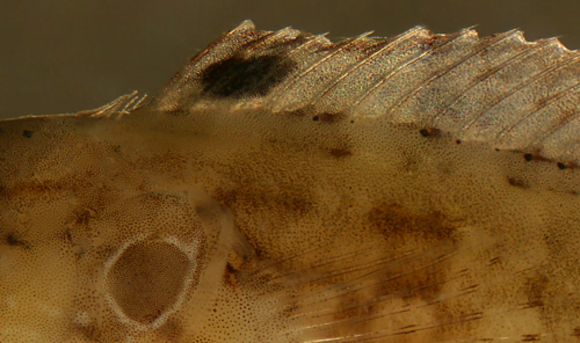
<point>284,188</point>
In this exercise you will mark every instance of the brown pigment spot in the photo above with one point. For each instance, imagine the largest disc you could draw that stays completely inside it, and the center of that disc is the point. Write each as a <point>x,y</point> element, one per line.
<point>535,289</point>
<point>401,226</point>
<point>430,132</point>
<point>410,162</point>
<point>339,152</point>
<point>172,329</point>
<point>325,117</point>
<point>518,183</point>
<point>90,332</point>
<point>301,112</point>
<point>83,216</point>
<point>395,221</point>
<point>249,198</point>
<point>535,337</point>
<point>176,111</point>
<point>328,117</point>
<point>14,241</point>
<point>257,198</point>
<point>230,275</point>
<point>541,103</point>
<point>535,156</point>
<point>38,188</point>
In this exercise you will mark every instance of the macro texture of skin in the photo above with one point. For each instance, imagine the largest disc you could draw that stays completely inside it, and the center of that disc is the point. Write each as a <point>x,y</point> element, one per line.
<point>285,188</point>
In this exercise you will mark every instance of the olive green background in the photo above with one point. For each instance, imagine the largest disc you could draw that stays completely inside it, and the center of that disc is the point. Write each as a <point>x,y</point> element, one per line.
<point>67,55</point>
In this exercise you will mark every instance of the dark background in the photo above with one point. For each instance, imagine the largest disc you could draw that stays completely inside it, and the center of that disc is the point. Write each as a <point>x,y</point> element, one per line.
<point>67,55</point>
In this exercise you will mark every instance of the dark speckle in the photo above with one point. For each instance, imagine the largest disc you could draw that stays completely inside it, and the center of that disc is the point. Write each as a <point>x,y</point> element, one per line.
<point>27,133</point>
<point>561,165</point>
<point>458,141</point>
<point>316,118</point>
<point>430,132</point>
<point>238,77</point>
<point>528,157</point>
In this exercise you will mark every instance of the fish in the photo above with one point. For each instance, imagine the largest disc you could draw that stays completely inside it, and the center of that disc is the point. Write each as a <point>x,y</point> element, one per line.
<point>287,188</point>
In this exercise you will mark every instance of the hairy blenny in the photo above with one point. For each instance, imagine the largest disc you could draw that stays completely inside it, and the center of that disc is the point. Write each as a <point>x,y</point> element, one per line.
<point>285,188</point>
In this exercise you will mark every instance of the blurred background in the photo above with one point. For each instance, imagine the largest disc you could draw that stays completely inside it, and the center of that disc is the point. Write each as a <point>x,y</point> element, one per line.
<point>67,55</point>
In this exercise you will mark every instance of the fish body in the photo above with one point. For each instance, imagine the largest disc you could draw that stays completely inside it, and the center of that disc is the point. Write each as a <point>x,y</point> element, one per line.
<point>284,188</point>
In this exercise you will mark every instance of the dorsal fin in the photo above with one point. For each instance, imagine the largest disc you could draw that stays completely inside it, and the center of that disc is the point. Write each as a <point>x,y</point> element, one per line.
<point>513,94</point>
<point>117,108</point>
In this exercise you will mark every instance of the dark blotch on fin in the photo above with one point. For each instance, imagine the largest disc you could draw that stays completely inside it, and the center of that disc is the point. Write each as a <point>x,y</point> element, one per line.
<point>27,133</point>
<point>238,77</point>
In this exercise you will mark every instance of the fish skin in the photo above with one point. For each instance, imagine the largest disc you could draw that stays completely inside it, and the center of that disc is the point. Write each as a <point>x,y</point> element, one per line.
<point>284,188</point>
